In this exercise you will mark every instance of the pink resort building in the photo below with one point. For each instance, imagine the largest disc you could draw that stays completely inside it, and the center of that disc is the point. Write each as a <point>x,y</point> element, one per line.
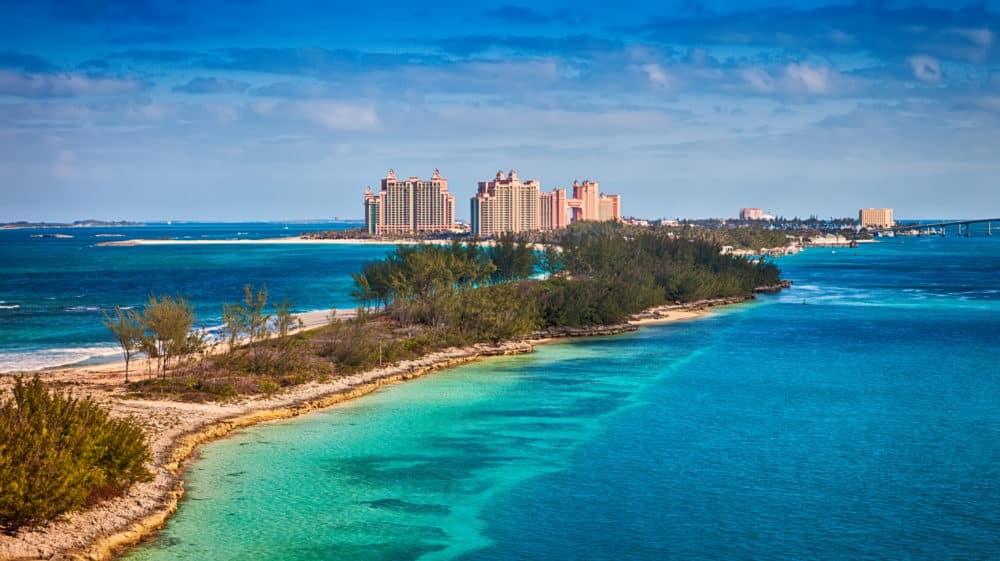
<point>508,205</point>
<point>410,206</point>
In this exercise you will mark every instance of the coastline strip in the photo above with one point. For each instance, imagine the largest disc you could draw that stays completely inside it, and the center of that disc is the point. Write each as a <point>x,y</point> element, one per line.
<point>296,240</point>
<point>178,450</point>
<point>180,456</point>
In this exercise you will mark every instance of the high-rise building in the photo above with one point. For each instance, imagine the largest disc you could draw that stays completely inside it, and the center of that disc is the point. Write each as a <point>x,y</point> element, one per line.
<point>609,207</point>
<point>876,218</point>
<point>589,204</point>
<point>410,206</point>
<point>506,205</point>
<point>751,214</point>
<point>554,210</point>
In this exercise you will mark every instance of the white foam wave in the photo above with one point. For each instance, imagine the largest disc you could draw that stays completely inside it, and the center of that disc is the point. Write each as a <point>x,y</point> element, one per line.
<point>28,361</point>
<point>9,306</point>
<point>82,309</point>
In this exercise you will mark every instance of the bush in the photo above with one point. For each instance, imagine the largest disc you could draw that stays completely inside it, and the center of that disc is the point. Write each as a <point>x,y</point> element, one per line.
<point>58,453</point>
<point>268,387</point>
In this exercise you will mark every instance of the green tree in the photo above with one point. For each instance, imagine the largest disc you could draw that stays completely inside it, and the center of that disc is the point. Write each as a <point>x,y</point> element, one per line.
<point>248,319</point>
<point>285,320</point>
<point>234,324</point>
<point>513,259</point>
<point>167,323</point>
<point>127,329</point>
<point>255,320</point>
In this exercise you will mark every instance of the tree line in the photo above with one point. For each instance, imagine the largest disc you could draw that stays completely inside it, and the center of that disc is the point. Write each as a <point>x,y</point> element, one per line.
<point>163,329</point>
<point>603,274</point>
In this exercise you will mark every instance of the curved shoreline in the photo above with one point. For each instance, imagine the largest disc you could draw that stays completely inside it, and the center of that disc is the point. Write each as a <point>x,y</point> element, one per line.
<point>183,452</point>
<point>161,498</point>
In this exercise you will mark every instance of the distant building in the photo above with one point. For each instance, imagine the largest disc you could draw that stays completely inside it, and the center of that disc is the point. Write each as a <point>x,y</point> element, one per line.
<point>410,206</point>
<point>554,210</point>
<point>609,207</point>
<point>589,204</point>
<point>751,214</point>
<point>876,218</point>
<point>508,205</point>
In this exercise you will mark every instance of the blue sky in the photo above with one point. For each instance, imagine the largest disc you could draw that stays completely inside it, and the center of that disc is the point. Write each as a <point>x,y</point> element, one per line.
<point>266,109</point>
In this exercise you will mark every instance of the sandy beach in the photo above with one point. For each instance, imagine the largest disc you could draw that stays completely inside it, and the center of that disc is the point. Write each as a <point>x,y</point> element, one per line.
<point>267,241</point>
<point>176,429</point>
<point>297,240</point>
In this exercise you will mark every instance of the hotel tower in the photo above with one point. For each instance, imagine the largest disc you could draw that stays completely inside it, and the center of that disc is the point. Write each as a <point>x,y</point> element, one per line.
<point>876,218</point>
<point>409,206</point>
<point>508,205</point>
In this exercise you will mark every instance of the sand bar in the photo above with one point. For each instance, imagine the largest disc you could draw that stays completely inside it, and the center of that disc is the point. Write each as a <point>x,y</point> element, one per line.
<point>298,240</point>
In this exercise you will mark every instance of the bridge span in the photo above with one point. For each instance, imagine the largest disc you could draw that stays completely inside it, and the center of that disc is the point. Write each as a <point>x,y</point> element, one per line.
<point>962,226</point>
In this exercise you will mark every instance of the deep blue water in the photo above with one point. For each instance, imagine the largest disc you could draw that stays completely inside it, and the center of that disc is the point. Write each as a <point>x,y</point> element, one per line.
<point>54,292</point>
<point>855,416</point>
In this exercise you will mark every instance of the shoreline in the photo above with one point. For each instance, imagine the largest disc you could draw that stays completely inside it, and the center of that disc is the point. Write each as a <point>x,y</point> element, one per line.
<point>267,241</point>
<point>297,240</point>
<point>311,319</point>
<point>177,429</point>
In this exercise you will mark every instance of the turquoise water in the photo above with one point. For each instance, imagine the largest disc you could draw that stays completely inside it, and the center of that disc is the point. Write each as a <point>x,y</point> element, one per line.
<point>855,416</point>
<point>54,291</point>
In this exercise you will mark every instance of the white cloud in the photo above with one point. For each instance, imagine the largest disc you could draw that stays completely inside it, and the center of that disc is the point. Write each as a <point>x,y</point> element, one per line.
<point>657,75</point>
<point>799,77</point>
<point>925,68</point>
<point>340,115</point>
<point>981,37</point>
<point>758,79</point>
<point>20,84</point>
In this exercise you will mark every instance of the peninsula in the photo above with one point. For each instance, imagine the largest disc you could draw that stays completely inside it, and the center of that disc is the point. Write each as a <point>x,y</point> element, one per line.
<point>424,308</point>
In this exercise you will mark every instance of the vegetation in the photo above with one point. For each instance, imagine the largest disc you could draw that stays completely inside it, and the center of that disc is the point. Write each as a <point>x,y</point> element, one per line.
<point>428,297</point>
<point>248,319</point>
<point>58,454</point>
<point>163,331</point>
<point>603,274</point>
<point>128,331</point>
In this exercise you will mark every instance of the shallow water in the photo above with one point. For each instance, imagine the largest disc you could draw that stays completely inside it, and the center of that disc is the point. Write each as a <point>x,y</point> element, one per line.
<point>861,423</point>
<point>54,291</point>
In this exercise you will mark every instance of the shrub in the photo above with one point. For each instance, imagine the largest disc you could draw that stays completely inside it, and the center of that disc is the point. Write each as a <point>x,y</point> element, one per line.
<point>268,386</point>
<point>58,453</point>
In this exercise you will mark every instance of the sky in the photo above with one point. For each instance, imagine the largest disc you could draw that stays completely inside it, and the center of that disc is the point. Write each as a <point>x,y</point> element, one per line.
<point>287,109</point>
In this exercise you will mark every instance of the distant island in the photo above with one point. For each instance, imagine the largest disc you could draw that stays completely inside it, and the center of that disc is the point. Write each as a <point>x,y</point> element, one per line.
<point>75,224</point>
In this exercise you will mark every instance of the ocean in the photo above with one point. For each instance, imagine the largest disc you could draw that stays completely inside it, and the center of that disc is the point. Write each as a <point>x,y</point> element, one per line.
<point>854,416</point>
<point>54,291</point>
